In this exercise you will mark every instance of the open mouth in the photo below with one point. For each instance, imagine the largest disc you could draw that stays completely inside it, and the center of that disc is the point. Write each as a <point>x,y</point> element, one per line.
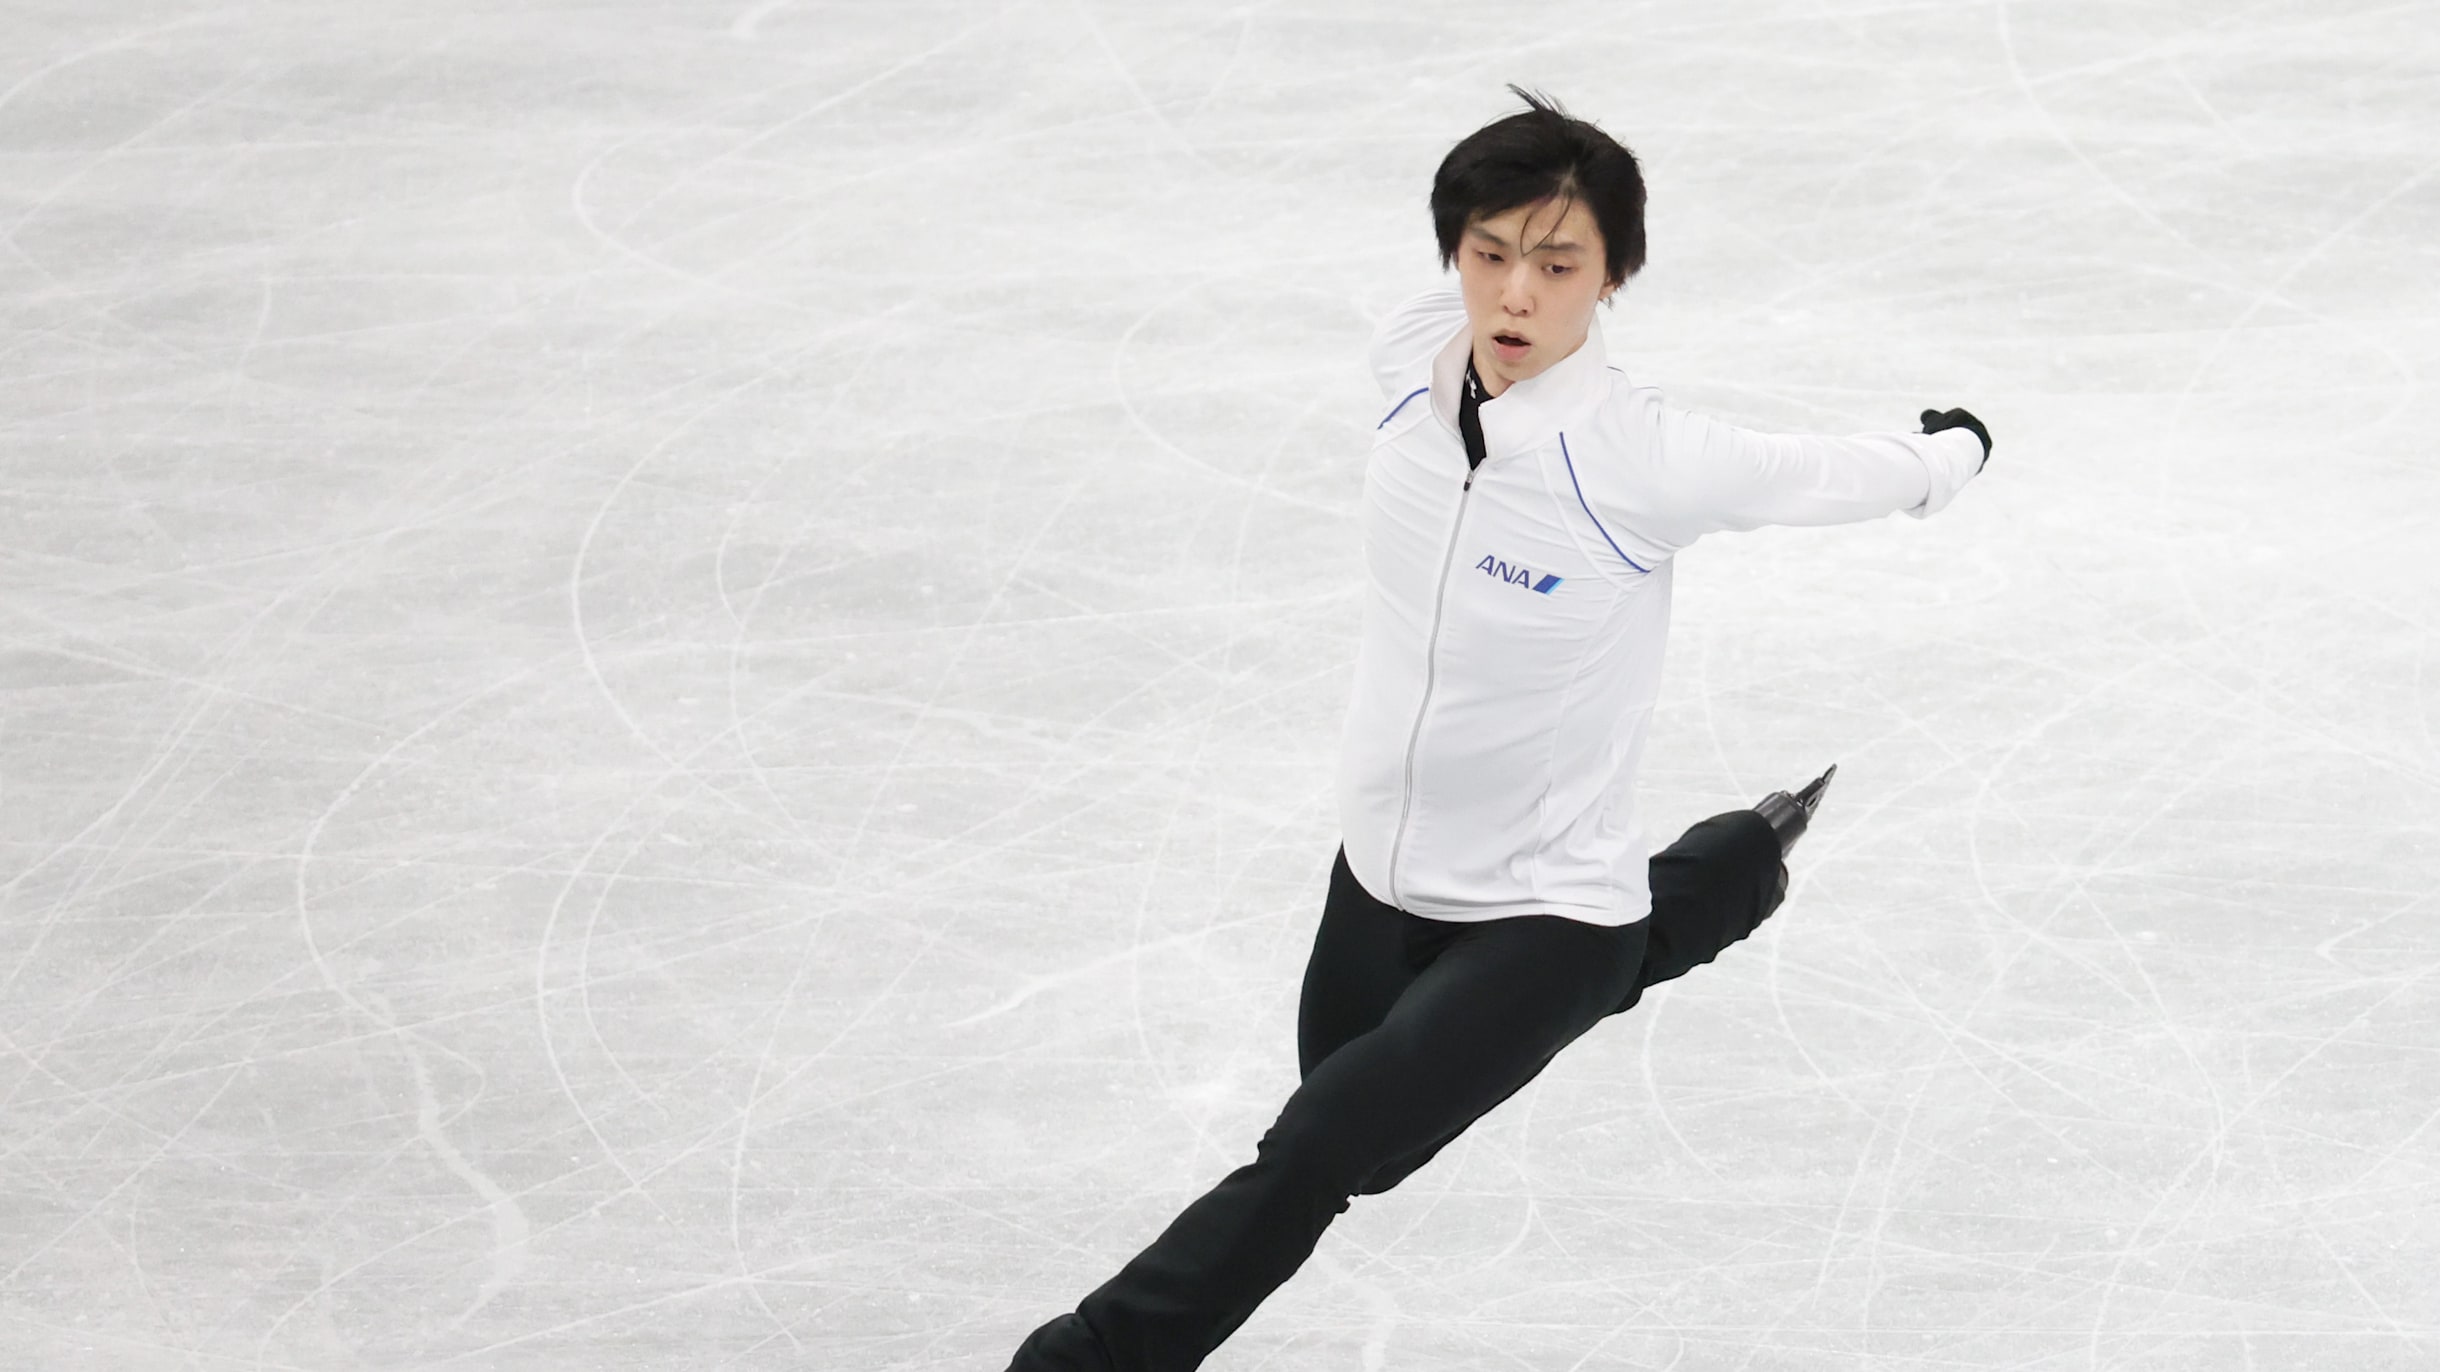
<point>1509,344</point>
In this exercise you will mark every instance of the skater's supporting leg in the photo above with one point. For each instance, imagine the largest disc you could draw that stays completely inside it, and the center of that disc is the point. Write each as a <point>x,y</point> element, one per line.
<point>1495,1002</point>
<point>1365,955</point>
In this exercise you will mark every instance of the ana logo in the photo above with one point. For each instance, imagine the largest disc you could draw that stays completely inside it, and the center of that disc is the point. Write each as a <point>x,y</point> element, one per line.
<point>1517,576</point>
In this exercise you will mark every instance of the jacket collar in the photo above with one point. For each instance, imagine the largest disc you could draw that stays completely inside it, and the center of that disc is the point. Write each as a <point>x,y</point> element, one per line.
<point>1529,413</point>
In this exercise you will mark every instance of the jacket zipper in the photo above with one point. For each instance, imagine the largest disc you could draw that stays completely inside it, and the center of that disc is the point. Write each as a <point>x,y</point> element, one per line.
<point>1406,803</point>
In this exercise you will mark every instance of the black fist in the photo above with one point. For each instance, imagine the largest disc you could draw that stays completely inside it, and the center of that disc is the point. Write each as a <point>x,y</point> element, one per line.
<point>1936,420</point>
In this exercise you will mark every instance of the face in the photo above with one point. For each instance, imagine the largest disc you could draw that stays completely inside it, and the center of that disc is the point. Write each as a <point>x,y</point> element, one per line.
<point>1531,278</point>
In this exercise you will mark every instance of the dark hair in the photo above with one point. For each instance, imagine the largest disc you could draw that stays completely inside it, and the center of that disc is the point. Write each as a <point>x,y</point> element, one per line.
<point>1540,153</point>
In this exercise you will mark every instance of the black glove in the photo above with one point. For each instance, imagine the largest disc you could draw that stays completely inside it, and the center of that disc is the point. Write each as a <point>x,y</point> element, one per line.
<point>1936,420</point>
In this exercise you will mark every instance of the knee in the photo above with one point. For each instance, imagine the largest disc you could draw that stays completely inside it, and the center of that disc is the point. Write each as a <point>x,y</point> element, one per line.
<point>1303,1142</point>
<point>1324,1150</point>
<point>1066,1344</point>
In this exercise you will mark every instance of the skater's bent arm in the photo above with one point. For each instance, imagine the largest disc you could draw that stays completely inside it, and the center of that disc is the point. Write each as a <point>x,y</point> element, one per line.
<point>1736,478</point>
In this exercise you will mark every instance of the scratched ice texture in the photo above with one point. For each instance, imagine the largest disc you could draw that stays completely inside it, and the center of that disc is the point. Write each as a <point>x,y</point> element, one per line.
<point>670,674</point>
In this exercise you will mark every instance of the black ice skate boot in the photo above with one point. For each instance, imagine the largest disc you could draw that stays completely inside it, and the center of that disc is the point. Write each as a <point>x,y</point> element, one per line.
<point>1789,814</point>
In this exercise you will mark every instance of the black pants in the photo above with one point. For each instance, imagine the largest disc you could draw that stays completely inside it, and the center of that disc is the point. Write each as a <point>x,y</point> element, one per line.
<point>1408,1031</point>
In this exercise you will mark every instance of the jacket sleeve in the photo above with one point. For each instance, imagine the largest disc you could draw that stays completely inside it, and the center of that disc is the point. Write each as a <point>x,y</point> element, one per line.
<point>1411,335</point>
<point>1724,477</point>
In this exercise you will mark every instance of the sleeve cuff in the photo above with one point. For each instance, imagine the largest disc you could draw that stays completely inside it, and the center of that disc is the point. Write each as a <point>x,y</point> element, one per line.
<point>1952,457</point>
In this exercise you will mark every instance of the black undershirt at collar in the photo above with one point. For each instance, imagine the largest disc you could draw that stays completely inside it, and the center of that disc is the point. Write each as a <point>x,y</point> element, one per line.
<point>1469,414</point>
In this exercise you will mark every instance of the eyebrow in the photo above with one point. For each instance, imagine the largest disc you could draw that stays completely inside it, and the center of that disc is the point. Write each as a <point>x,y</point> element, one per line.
<point>1554,245</point>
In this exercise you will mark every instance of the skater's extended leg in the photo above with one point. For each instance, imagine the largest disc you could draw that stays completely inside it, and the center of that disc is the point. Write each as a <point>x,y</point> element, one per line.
<point>1720,881</point>
<point>1711,888</point>
<point>1483,1018</point>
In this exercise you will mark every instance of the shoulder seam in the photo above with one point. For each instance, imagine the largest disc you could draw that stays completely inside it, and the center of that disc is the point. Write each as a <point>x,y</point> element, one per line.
<point>1394,409</point>
<point>1588,506</point>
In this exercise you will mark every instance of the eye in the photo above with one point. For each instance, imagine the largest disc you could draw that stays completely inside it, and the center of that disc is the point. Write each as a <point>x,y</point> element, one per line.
<point>1487,256</point>
<point>1559,270</point>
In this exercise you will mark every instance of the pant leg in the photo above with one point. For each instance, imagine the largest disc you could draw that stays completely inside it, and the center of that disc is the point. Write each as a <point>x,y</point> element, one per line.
<point>1711,888</point>
<point>1366,952</point>
<point>1495,1005</point>
<point>1362,961</point>
<point>1365,955</point>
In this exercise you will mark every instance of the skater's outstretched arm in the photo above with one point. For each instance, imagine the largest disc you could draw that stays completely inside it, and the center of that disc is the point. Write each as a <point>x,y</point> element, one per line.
<point>1726,477</point>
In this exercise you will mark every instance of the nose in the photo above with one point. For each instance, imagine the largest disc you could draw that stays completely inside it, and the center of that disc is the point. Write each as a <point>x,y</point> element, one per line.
<point>1516,290</point>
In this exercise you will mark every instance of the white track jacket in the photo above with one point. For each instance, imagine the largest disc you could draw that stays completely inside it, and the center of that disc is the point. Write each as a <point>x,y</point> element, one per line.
<point>1514,620</point>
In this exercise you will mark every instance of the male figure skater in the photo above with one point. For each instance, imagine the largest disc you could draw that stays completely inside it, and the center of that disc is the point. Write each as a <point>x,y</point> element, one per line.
<point>1492,899</point>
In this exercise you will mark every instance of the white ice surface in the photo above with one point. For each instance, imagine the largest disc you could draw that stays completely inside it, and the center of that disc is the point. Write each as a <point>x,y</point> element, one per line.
<point>670,671</point>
